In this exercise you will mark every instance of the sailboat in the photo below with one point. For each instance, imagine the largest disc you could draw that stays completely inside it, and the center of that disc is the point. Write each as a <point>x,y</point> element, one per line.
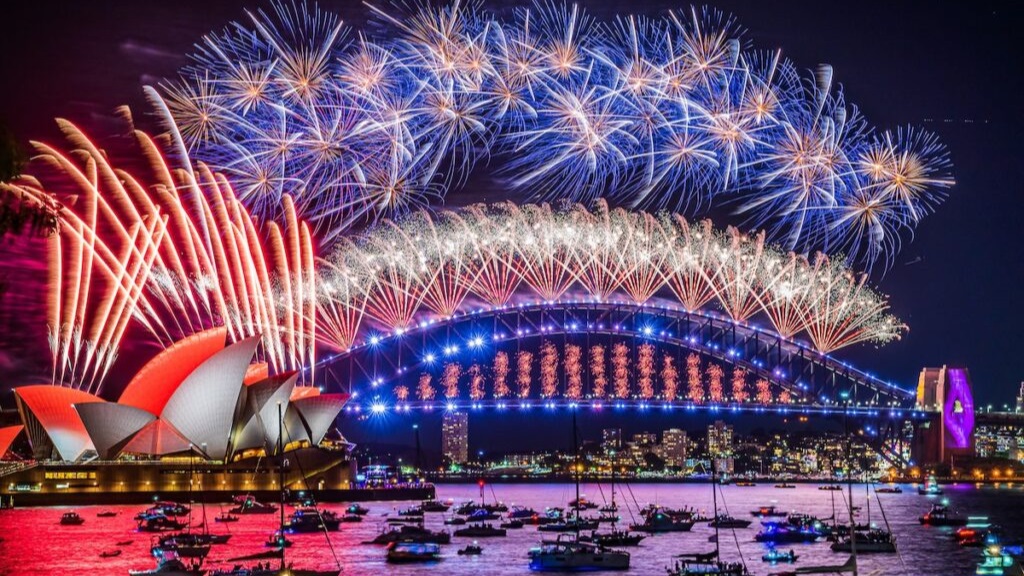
<point>710,563</point>
<point>870,541</point>
<point>614,537</point>
<point>283,569</point>
<point>572,554</point>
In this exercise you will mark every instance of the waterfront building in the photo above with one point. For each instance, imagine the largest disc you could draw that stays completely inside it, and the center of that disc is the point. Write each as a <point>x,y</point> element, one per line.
<point>455,437</point>
<point>673,448</point>
<point>611,440</point>
<point>720,447</point>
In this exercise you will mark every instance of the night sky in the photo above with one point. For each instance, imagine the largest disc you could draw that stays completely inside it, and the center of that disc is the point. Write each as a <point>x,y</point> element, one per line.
<point>954,69</point>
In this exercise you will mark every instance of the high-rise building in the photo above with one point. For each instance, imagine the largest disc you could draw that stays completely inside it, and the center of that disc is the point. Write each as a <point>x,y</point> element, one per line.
<point>673,447</point>
<point>1020,398</point>
<point>720,447</point>
<point>645,439</point>
<point>611,440</point>
<point>455,437</point>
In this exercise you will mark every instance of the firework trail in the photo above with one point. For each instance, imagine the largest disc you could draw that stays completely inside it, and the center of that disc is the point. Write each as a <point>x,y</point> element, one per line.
<point>430,265</point>
<point>501,389</point>
<point>674,112</point>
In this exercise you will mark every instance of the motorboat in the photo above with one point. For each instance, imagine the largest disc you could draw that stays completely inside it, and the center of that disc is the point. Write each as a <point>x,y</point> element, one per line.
<point>614,538</point>
<point>482,514</point>
<point>785,486</point>
<point>608,517</point>
<point>940,515</point>
<point>787,533</point>
<point>473,549</point>
<point>662,522</point>
<point>767,512</point>
<point>416,511</point>
<point>480,530</point>
<point>706,565</point>
<point>249,505</point>
<point>569,525</point>
<point>71,519</point>
<point>582,503</point>
<point>830,487</point>
<point>171,567</point>
<point>306,520</point>
<point>197,538</point>
<point>889,490</point>
<point>566,554</point>
<point>183,548</point>
<point>434,506</point>
<point>124,543</point>
<point>725,521</point>
<point>520,513</point>
<point>106,514</point>
<point>351,518</point>
<point>357,510</point>
<point>226,517</point>
<point>512,524</point>
<point>158,523</point>
<point>745,484</point>
<point>870,542</point>
<point>455,521</point>
<point>411,534</point>
<point>262,569</point>
<point>277,540</point>
<point>773,556</point>
<point>169,509</point>
<point>930,488</point>
<point>408,552</point>
<point>110,554</point>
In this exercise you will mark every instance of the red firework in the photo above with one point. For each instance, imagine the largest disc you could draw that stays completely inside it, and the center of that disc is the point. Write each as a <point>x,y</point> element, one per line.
<point>645,370</point>
<point>501,389</point>
<point>598,372</point>
<point>739,385</point>
<point>524,373</point>
<point>669,378</point>
<point>450,379</point>
<point>573,372</point>
<point>548,370</point>
<point>694,386</point>
<point>620,370</point>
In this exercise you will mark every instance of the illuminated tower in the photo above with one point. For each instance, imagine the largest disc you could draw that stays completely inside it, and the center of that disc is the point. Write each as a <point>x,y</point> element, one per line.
<point>946,391</point>
<point>673,447</point>
<point>455,437</point>
<point>720,447</point>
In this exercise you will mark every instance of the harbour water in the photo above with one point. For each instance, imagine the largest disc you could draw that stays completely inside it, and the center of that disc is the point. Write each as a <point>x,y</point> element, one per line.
<point>34,543</point>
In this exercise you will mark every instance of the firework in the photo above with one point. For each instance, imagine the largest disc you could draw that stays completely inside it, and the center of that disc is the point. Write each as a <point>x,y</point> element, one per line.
<point>172,251</point>
<point>573,371</point>
<point>764,392</point>
<point>598,372</point>
<point>524,372</point>
<point>694,386</point>
<point>645,371</point>
<point>450,379</point>
<point>669,378</point>
<point>669,113</point>
<point>714,374</point>
<point>739,385</point>
<point>424,389</point>
<point>476,382</point>
<point>501,389</point>
<point>620,370</point>
<point>548,370</point>
<point>430,264</point>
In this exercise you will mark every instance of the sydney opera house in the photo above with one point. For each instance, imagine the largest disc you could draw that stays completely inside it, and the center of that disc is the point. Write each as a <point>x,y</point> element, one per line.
<point>201,413</point>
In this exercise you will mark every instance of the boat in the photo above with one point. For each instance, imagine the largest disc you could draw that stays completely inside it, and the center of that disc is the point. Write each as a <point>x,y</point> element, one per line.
<point>608,517</point>
<point>784,533</point>
<point>568,554</point>
<point>512,524</point>
<point>124,543</point>
<point>745,484</point>
<point>71,519</point>
<point>455,521</point>
<point>181,548</point>
<point>226,517</point>
<point>306,520</point>
<point>706,565</point>
<point>940,515</point>
<point>411,534</point>
<point>481,515</point>
<point>416,511</point>
<point>520,513</point>
<point>582,503</point>
<point>573,524</point>
<point>158,523</point>
<point>725,521</point>
<point>875,541</point>
<point>357,510</point>
<point>889,490</point>
<point>408,552</point>
<point>284,568</point>
<point>610,508</point>
<point>106,514</point>
<point>351,518</point>
<point>773,556</point>
<point>785,485</point>
<point>996,560</point>
<point>614,538</point>
<point>471,550</point>
<point>110,554</point>
<point>767,512</point>
<point>277,540</point>
<point>830,487</point>
<point>434,506</point>
<point>663,522</point>
<point>249,505</point>
<point>171,567</point>
<point>480,530</point>
<point>197,538</point>
<point>930,488</point>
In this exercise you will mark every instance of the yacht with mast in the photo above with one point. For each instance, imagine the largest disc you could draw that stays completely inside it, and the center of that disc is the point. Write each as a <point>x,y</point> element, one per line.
<point>569,553</point>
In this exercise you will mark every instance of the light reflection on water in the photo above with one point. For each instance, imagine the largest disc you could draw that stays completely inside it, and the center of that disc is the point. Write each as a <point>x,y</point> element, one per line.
<point>33,542</point>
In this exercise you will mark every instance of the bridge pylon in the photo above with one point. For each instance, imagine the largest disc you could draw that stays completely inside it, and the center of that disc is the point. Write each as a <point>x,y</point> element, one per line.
<point>945,392</point>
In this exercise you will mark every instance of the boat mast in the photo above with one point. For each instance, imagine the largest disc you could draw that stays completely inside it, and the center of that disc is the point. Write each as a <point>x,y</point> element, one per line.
<point>849,485</point>
<point>576,473</point>
<point>280,472</point>
<point>714,504</point>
